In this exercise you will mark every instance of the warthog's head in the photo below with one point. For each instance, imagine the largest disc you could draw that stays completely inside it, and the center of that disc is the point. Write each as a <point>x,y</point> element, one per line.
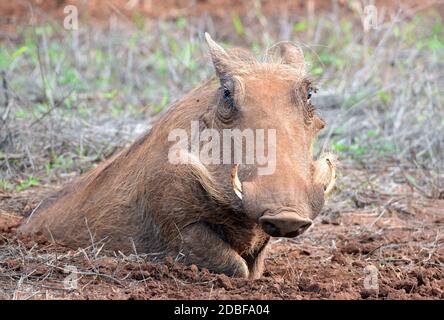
<point>285,192</point>
<point>283,187</point>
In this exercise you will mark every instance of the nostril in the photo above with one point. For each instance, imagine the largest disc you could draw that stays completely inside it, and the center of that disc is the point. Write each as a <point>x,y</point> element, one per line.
<point>271,229</point>
<point>300,229</point>
<point>304,226</point>
<point>285,224</point>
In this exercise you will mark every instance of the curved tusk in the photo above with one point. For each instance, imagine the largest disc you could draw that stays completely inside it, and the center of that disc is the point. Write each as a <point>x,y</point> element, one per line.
<point>332,182</point>
<point>235,182</point>
<point>325,172</point>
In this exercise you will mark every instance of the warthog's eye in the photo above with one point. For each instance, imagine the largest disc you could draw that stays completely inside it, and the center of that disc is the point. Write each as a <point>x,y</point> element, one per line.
<point>227,108</point>
<point>309,93</point>
<point>228,97</point>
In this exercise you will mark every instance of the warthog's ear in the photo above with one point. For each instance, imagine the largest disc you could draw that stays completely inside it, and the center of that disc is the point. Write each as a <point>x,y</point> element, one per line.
<point>288,53</point>
<point>219,56</point>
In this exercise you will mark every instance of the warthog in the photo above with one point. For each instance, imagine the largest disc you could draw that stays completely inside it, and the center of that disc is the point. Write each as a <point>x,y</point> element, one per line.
<point>218,216</point>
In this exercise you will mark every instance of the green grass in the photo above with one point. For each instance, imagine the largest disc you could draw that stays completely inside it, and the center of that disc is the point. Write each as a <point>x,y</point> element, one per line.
<point>28,183</point>
<point>238,25</point>
<point>5,185</point>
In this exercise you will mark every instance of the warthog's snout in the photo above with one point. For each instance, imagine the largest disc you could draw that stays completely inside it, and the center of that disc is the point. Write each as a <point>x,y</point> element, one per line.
<point>285,223</point>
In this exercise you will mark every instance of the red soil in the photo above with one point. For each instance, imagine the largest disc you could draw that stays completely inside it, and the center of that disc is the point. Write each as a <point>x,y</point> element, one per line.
<point>328,262</point>
<point>18,11</point>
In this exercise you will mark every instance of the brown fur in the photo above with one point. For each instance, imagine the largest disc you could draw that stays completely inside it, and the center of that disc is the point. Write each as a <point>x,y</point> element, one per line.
<point>138,200</point>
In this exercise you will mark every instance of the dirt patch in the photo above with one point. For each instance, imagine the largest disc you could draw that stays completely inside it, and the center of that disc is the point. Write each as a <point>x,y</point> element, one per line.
<point>332,261</point>
<point>19,11</point>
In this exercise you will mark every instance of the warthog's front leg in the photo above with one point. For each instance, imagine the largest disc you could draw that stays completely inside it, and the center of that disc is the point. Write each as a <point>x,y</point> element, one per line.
<point>203,247</point>
<point>256,261</point>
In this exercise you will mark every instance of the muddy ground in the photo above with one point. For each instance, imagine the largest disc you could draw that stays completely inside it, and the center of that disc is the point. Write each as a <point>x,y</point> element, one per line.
<point>365,245</point>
